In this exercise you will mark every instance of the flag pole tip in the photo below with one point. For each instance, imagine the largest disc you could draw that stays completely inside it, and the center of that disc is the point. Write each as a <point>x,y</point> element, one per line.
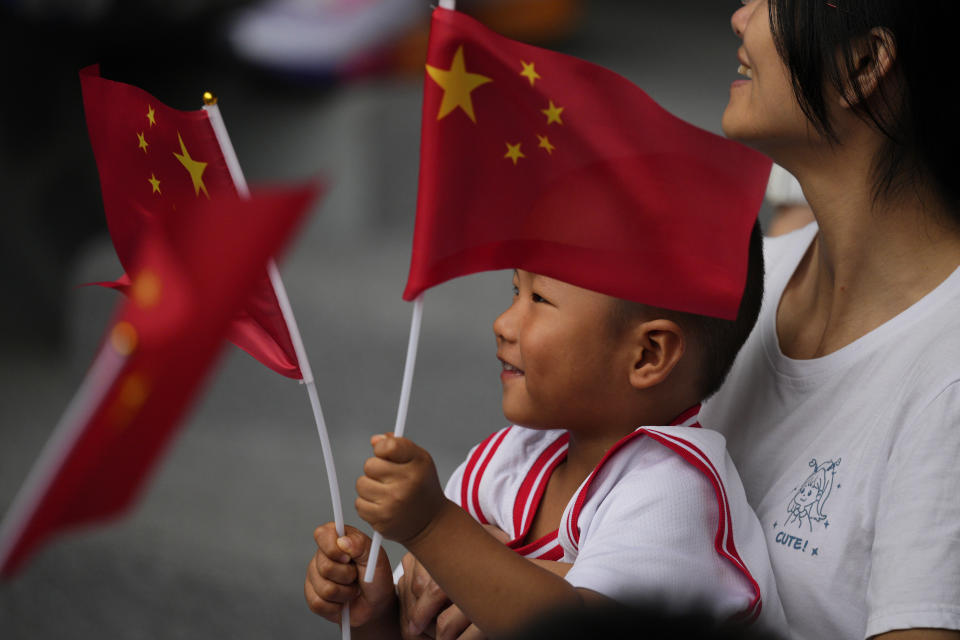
<point>209,99</point>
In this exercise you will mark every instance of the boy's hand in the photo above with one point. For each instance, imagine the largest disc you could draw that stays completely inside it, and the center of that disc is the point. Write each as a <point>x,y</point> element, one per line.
<point>333,577</point>
<point>400,494</point>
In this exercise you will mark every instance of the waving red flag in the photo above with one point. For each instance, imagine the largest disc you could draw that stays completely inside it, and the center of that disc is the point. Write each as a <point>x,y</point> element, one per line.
<point>193,271</point>
<point>536,160</point>
<point>153,159</point>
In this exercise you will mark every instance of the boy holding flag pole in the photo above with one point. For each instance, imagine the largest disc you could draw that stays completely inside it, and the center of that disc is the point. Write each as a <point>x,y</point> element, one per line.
<point>629,233</point>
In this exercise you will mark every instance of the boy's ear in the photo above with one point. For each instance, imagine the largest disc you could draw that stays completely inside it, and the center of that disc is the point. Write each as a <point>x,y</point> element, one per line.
<point>658,347</point>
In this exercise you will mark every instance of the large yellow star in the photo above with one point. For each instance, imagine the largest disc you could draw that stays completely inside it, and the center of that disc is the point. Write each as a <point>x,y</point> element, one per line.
<point>553,113</point>
<point>193,167</point>
<point>457,84</point>
<point>154,183</point>
<point>529,72</point>
<point>514,153</point>
<point>151,115</point>
<point>545,144</point>
<point>143,144</point>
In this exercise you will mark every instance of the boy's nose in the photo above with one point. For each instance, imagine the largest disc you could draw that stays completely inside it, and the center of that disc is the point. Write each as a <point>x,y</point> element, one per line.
<point>503,327</point>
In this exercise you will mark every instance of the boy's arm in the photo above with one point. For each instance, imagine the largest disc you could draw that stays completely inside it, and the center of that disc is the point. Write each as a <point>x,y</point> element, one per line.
<point>400,496</point>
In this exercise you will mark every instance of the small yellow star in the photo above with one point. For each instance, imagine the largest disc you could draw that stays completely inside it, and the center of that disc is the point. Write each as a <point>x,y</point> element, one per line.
<point>545,144</point>
<point>457,84</point>
<point>155,183</point>
<point>151,115</point>
<point>146,289</point>
<point>529,72</point>
<point>553,113</point>
<point>143,142</point>
<point>514,153</point>
<point>193,167</point>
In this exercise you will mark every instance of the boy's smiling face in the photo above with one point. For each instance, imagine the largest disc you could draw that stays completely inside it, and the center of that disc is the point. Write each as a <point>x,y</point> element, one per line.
<point>563,364</point>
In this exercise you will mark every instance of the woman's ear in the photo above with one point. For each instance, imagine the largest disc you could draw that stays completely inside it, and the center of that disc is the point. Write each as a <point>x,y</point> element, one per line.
<point>658,347</point>
<point>873,58</point>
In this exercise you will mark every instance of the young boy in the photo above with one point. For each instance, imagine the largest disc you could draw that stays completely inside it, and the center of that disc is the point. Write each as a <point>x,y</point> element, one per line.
<point>605,510</point>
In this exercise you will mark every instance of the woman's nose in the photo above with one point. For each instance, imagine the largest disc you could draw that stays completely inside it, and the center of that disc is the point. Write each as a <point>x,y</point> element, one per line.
<point>739,18</point>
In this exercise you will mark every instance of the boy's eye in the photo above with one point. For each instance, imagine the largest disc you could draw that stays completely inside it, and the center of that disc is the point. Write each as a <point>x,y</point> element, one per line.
<point>516,290</point>
<point>536,297</point>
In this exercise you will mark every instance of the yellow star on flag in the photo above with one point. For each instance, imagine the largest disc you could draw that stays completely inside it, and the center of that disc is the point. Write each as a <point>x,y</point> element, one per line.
<point>193,167</point>
<point>154,183</point>
<point>151,115</point>
<point>143,144</point>
<point>553,113</point>
<point>545,144</point>
<point>529,72</point>
<point>146,289</point>
<point>457,84</point>
<point>514,153</point>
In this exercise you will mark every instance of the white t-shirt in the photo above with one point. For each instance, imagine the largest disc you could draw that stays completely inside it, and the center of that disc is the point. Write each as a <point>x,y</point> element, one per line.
<point>852,462</point>
<point>663,517</point>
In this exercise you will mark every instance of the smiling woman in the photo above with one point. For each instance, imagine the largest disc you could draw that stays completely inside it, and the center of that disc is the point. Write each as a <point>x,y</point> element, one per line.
<point>842,411</point>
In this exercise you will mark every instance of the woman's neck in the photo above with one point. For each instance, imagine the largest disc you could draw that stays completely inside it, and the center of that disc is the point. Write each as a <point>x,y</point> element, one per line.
<point>873,258</point>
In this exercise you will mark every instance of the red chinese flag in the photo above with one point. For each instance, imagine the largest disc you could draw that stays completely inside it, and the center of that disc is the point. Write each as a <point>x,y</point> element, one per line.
<point>153,159</point>
<point>536,160</point>
<point>193,271</point>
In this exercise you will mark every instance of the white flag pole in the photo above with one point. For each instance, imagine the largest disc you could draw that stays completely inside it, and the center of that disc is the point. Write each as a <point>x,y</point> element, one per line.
<point>407,381</point>
<point>414,340</point>
<point>233,164</point>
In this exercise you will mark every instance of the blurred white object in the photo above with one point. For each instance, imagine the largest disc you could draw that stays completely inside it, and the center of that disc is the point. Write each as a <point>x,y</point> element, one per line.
<point>783,188</point>
<point>790,208</point>
<point>321,36</point>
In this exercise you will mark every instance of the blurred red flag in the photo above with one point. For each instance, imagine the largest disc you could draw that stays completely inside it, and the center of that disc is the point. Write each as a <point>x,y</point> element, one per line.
<point>536,160</point>
<point>192,272</point>
<point>153,159</point>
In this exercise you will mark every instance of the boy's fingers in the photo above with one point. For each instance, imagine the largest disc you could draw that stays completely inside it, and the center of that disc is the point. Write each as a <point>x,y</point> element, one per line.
<point>379,469</point>
<point>326,539</point>
<point>330,590</point>
<point>373,491</point>
<point>327,569</point>
<point>354,543</point>
<point>394,449</point>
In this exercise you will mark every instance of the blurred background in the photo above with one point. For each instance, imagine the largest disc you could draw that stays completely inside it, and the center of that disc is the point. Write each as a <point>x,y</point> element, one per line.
<point>218,544</point>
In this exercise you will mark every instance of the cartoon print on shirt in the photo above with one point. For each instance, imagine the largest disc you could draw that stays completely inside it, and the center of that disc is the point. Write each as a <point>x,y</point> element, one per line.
<point>807,504</point>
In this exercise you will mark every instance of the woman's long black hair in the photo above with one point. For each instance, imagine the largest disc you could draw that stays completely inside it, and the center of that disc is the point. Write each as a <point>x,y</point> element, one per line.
<point>818,40</point>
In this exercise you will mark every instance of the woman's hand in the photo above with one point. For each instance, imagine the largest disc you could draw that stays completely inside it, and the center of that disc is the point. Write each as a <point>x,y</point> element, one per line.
<point>426,611</point>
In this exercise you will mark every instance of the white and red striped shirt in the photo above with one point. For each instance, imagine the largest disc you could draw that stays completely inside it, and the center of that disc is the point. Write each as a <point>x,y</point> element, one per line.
<point>663,516</point>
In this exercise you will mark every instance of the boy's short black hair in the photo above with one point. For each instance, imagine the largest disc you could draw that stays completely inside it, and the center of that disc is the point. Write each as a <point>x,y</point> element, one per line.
<point>716,341</point>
